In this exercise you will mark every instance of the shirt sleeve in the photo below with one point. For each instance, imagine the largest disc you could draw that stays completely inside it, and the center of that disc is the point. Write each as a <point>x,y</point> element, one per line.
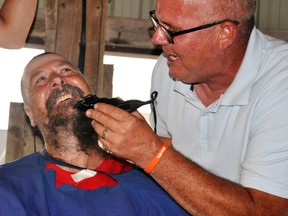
<point>265,166</point>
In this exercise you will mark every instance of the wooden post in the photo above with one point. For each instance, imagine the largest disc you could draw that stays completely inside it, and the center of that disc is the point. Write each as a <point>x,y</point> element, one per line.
<point>95,43</point>
<point>22,139</point>
<point>63,27</point>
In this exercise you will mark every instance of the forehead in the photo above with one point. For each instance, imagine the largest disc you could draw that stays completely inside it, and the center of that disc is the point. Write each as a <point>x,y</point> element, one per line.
<point>177,12</point>
<point>45,61</point>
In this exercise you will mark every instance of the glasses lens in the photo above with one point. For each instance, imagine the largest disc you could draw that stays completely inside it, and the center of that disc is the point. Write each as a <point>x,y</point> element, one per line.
<point>154,22</point>
<point>167,34</point>
<point>163,29</point>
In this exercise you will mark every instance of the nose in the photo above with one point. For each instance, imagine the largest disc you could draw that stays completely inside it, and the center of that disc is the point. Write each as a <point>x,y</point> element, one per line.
<point>56,80</point>
<point>159,37</point>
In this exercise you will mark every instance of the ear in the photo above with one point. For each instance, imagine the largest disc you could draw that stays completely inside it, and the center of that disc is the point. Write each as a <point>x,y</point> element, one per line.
<point>227,35</point>
<point>29,114</point>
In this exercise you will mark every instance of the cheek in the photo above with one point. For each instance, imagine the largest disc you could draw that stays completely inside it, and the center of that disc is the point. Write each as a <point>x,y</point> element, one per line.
<point>189,65</point>
<point>193,56</point>
<point>82,84</point>
<point>38,111</point>
<point>38,100</point>
<point>179,70</point>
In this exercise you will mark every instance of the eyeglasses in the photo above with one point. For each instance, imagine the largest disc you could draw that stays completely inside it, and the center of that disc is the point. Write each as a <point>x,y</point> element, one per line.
<point>170,35</point>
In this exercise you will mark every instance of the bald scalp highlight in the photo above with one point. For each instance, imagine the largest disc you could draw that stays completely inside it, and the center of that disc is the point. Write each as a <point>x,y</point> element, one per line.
<point>235,9</point>
<point>223,9</point>
<point>211,11</point>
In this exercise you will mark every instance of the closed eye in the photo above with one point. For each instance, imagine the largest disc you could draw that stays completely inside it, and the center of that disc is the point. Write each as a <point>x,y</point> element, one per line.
<point>66,71</point>
<point>40,80</point>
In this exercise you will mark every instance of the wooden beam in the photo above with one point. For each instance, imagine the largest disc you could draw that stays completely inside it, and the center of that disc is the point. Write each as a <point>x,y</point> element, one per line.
<point>127,35</point>
<point>63,27</point>
<point>121,34</point>
<point>130,35</point>
<point>96,16</point>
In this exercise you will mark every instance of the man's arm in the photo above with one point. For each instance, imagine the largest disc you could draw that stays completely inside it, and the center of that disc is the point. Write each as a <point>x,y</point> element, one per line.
<point>197,190</point>
<point>203,193</point>
<point>16,17</point>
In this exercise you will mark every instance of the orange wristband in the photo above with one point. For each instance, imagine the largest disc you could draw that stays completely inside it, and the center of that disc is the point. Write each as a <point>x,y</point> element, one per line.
<point>156,159</point>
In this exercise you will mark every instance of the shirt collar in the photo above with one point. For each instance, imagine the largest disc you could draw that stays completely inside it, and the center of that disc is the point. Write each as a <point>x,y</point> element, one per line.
<point>239,91</point>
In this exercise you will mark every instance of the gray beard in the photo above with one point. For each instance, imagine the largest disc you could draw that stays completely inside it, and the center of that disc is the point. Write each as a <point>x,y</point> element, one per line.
<point>75,123</point>
<point>78,124</point>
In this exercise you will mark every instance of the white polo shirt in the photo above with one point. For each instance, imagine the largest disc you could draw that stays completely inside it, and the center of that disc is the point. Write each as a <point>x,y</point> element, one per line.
<point>243,136</point>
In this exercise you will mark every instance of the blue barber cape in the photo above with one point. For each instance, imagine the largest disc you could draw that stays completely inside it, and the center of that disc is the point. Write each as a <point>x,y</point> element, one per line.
<point>26,188</point>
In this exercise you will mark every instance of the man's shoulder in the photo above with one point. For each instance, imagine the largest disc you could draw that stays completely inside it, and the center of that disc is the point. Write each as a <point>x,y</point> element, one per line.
<point>275,48</point>
<point>22,165</point>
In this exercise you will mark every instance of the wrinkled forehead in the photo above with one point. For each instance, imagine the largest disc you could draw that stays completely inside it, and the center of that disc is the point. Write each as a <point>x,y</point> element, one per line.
<point>43,61</point>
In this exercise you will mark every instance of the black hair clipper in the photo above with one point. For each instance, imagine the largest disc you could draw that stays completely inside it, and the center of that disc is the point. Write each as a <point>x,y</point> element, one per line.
<point>90,100</point>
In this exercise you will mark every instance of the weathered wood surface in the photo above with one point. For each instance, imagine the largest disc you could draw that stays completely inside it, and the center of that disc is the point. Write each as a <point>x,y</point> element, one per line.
<point>127,35</point>
<point>22,139</point>
<point>107,81</point>
<point>130,35</point>
<point>96,18</point>
<point>63,27</point>
<point>121,35</point>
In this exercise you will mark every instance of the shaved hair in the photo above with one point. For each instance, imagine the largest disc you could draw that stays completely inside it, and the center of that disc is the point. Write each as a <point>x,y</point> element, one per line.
<point>212,11</point>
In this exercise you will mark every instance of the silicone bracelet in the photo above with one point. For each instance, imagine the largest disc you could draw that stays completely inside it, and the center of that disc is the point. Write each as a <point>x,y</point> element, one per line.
<point>156,159</point>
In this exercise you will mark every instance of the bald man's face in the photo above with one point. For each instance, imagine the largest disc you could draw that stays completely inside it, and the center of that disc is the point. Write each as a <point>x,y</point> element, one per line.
<point>51,84</point>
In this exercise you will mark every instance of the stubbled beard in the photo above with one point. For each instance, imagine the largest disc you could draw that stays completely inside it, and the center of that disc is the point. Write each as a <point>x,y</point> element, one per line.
<point>61,120</point>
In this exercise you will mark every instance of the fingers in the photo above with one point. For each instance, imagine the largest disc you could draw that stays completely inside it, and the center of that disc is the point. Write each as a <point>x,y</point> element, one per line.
<point>107,114</point>
<point>112,111</point>
<point>138,115</point>
<point>105,134</point>
<point>108,121</point>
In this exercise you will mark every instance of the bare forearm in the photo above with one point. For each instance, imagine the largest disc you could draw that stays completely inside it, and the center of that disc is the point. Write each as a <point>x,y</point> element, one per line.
<point>197,190</point>
<point>202,193</point>
<point>16,17</point>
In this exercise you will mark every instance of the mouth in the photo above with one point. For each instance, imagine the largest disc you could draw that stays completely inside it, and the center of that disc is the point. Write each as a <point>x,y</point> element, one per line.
<point>63,98</point>
<point>171,57</point>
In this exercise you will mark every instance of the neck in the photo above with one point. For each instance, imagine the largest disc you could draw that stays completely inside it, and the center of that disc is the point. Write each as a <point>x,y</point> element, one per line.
<point>72,139</point>
<point>211,90</point>
<point>90,159</point>
<point>208,95</point>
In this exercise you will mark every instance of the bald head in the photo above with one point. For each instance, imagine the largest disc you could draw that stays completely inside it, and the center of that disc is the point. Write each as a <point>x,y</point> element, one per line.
<point>50,79</point>
<point>39,64</point>
<point>241,10</point>
<point>211,11</point>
